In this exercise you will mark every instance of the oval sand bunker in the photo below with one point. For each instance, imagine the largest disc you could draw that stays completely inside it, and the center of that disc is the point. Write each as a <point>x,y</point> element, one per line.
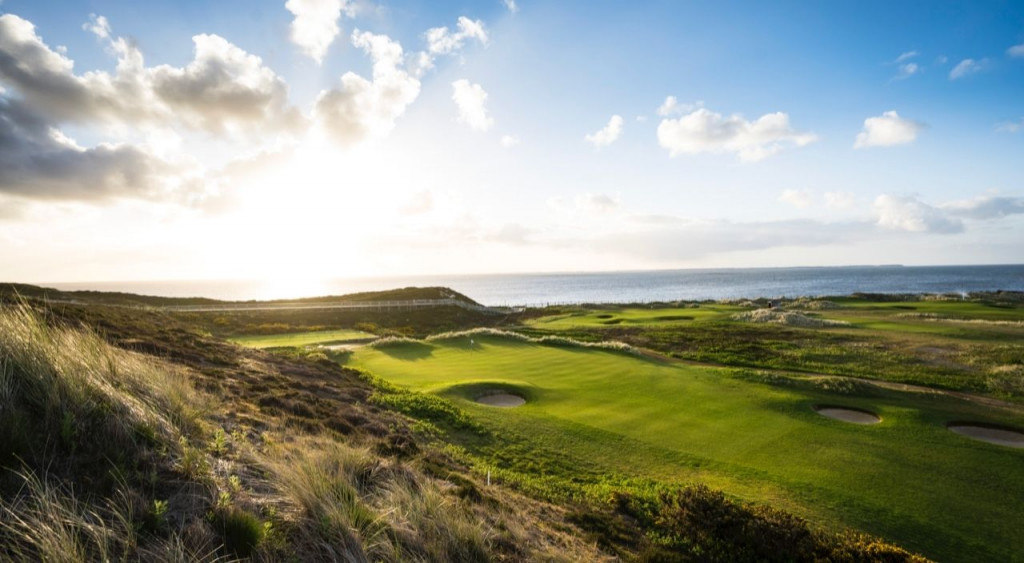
<point>501,400</point>
<point>848,415</point>
<point>1000,436</point>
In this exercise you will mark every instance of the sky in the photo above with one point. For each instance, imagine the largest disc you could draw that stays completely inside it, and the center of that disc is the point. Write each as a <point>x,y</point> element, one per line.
<point>318,139</point>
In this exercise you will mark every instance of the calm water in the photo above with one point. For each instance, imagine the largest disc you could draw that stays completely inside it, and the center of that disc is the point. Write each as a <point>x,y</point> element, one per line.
<point>620,287</point>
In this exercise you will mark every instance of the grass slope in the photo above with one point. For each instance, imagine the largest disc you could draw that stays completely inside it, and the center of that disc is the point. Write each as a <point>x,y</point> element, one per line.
<point>302,338</point>
<point>907,479</point>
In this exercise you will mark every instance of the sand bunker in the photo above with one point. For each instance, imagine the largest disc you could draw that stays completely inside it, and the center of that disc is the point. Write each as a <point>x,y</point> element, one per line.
<point>848,415</point>
<point>1000,436</point>
<point>501,400</point>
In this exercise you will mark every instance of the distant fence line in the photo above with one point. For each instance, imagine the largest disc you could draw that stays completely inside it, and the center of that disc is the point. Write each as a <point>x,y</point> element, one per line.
<point>395,305</point>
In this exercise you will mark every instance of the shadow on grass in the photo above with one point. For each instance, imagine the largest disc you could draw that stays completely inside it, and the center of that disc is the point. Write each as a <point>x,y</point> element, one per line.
<point>408,351</point>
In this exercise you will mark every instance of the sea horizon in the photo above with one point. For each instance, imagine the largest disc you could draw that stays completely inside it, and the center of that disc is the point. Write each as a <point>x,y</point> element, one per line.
<point>616,286</point>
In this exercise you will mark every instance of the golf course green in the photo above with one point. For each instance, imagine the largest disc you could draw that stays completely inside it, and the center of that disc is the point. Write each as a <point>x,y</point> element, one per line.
<point>756,436</point>
<point>302,338</point>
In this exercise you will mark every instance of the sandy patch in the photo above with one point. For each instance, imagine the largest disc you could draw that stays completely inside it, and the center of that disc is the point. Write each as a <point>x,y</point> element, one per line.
<point>501,400</point>
<point>848,415</point>
<point>1000,436</point>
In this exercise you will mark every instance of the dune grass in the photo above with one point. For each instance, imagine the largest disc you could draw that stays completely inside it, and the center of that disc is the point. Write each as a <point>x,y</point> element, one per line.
<point>907,479</point>
<point>302,338</point>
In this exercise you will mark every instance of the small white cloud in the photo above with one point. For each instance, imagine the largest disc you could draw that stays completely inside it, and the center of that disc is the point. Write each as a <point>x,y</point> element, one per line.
<point>98,26</point>
<point>668,107</point>
<point>471,100</point>
<point>941,60</point>
<point>887,130</point>
<point>905,56</point>
<point>1010,126</point>
<point>608,134</point>
<point>671,106</point>
<point>797,198</point>
<point>839,200</point>
<point>704,131</point>
<point>641,118</point>
<point>511,5</point>
<point>315,25</point>
<point>440,41</point>
<point>509,141</point>
<point>909,69</point>
<point>908,214</point>
<point>967,67</point>
<point>1016,51</point>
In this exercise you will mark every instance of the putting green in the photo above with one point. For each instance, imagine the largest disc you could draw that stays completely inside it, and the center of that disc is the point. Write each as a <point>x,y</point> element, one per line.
<point>906,478</point>
<point>302,338</point>
<point>634,316</point>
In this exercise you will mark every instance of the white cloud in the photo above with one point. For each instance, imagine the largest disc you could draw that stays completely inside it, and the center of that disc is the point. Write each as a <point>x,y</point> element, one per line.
<point>839,200</point>
<point>985,207</point>
<point>315,25</point>
<point>471,99</point>
<point>671,106</point>
<point>98,26</point>
<point>511,5</point>
<point>905,56</point>
<point>608,134</point>
<point>509,141</point>
<point>362,109</point>
<point>668,107</point>
<point>224,89</point>
<point>887,130</point>
<point>1016,51</point>
<point>967,67</point>
<point>797,198</point>
<point>909,69</point>
<point>440,41</point>
<point>909,214</point>
<point>1011,126</point>
<point>704,131</point>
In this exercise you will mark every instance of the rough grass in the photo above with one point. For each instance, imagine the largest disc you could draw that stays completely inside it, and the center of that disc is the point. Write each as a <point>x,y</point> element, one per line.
<point>788,318</point>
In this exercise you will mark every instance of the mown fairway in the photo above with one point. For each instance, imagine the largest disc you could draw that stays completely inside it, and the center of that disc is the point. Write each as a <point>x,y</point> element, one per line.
<point>302,338</point>
<point>608,413</point>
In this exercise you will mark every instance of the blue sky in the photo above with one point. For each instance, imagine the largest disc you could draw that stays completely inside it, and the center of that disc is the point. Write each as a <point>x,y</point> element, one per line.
<point>332,138</point>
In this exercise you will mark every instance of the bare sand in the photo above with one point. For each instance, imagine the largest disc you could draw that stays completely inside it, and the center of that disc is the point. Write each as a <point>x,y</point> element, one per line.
<point>1002,437</point>
<point>501,400</point>
<point>848,415</point>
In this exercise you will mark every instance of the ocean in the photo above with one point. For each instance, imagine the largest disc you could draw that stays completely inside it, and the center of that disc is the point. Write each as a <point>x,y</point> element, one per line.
<point>617,287</point>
